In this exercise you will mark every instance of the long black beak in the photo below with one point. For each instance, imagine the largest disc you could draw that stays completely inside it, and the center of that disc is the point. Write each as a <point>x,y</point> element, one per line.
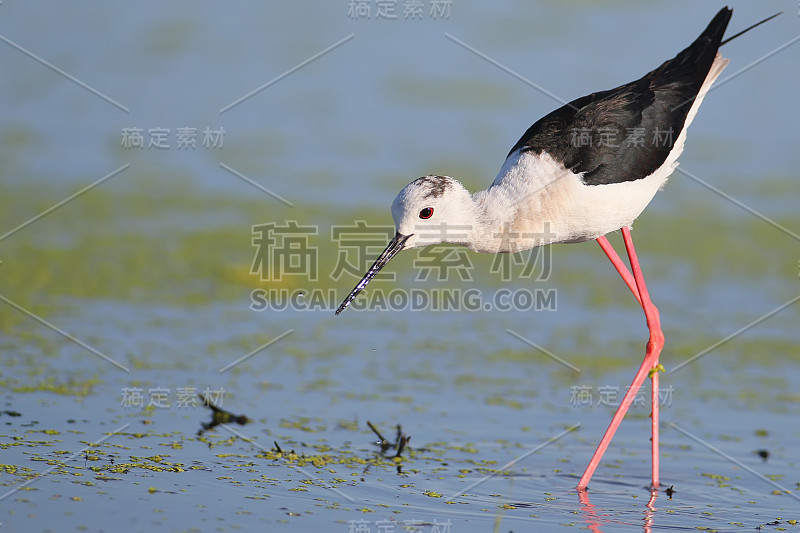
<point>395,245</point>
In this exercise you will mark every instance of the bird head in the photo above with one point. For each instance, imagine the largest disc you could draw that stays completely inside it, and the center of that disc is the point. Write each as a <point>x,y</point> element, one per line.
<point>429,210</point>
<point>432,210</point>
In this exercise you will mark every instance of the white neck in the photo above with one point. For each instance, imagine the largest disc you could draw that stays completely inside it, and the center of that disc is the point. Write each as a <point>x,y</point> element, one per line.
<point>511,213</point>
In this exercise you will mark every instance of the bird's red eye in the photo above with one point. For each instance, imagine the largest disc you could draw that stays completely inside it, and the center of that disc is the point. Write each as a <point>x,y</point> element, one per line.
<point>426,213</point>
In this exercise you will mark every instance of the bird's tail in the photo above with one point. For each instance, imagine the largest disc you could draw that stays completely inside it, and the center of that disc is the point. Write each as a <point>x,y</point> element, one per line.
<point>732,37</point>
<point>694,61</point>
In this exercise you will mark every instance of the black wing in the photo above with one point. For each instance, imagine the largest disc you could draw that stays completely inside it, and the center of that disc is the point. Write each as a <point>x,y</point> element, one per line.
<point>626,133</point>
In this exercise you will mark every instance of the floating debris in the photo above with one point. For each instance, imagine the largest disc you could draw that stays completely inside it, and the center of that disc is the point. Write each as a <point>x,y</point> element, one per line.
<point>219,416</point>
<point>382,442</point>
<point>400,442</point>
<point>773,523</point>
<point>764,454</point>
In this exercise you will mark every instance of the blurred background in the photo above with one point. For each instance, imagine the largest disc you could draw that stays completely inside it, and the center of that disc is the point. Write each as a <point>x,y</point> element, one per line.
<point>140,142</point>
<point>397,100</point>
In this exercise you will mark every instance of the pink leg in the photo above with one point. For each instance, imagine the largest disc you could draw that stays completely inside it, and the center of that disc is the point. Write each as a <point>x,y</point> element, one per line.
<point>654,346</point>
<point>650,362</point>
<point>627,277</point>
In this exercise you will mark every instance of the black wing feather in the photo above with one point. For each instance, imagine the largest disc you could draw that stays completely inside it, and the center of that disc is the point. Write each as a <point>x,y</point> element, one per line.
<point>626,133</point>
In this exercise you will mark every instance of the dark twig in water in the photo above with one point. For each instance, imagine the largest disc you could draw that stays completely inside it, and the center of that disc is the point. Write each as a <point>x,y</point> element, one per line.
<point>401,440</point>
<point>382,442</point>
<point>401,444</point>
<point>219,416</point>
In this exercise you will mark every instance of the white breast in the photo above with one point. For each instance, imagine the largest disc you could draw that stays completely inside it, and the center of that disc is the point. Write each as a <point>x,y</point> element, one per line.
<point>537,201</point>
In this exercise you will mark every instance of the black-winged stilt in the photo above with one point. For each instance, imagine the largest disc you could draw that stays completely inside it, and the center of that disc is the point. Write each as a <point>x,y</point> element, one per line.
<point>585,170</point>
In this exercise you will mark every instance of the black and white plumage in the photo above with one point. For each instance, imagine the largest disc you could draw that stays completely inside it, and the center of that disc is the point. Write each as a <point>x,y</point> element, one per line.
<point>582,171</point>
<point>632,128</point>
<point>569,188</point>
